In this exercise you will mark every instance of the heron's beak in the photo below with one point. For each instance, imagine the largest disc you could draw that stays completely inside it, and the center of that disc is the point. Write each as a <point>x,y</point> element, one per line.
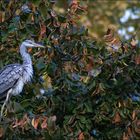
<point>38,45</point>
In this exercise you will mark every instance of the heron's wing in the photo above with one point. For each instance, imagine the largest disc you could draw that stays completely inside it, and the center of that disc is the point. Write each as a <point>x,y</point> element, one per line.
<point>10,65</point>
<point>9,76</point>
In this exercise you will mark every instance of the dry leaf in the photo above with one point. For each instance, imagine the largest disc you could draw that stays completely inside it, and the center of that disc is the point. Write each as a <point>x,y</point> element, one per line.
<point>133,43</point>
<point>35,122</point>
<point>44,123</point>
<point>136,126</point>
<point>1,132</point>
<point>117,118</point>
<point>137,59</point>
<point>42,31</point>
<point>112,40</point>
<point>134,115</point>
<point>81,136</point>
<point>125,136</point>
<point>53,118</point>
<point>119,104</point>
<point>2,16</point>
<point>29,50</point>
<point>21,123</point>
<point>32,18</point>
<point>90,64</point>
<point>129,131</point>
<point>74,6</point>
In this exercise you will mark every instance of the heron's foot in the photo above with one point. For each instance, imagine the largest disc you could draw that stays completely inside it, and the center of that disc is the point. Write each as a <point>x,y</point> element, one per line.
<point>4,104</point>
<point>3,112</point>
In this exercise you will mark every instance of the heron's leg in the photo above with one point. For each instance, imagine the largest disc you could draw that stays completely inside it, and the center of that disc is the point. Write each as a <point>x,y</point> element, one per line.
<point>5,102</point>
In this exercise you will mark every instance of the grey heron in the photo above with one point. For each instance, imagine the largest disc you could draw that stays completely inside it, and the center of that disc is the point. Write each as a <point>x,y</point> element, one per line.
<point>14,76</point>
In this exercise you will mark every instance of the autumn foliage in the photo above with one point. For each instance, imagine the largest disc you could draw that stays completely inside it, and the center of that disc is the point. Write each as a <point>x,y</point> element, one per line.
<point>82,88</point>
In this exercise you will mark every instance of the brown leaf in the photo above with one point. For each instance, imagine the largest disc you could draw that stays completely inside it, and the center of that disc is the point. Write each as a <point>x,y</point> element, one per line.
<point>129,131</point>
<point>133,43</point>
<point>96,91</point>
<point>35,122</point>
<point>33,7</point>
<point>125,48</point>
<point>1,132</point>
<point>74,6</point>
<point>112,40</point>
<point>32,18</point>
<point>125,136</point>
<point>42,31</point>
<point>136,126</point>
<point>44,123</point>
<point>134,115</point>
<point>51,123</point>
<point>117,118</point>
<point>2,16</point>
<point>90,64</point>
<point>137,60</point>
<point>81,136</point>
<point>21,123</point>
<point>29,50</point>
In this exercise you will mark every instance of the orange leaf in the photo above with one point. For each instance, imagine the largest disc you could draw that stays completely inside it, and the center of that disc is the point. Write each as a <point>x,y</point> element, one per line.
<point>117,118</point>
<point>21,123</point>
<point>90,65</point>
<point>29,50</point>
<point>44,123</point>
<point>81,136</point>
<point>35,122</point>
<point>43,30</point>
<point>129,131</point>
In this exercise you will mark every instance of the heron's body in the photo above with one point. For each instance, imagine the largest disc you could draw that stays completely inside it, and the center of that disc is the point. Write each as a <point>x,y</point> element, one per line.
<point>14,76</point>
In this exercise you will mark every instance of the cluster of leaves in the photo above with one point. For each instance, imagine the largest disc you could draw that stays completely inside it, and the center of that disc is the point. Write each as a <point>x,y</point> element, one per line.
<point>82,89</point>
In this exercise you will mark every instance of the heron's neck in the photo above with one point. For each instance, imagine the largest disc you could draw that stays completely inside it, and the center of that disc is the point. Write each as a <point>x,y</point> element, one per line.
<point>27,64</point>
<point>25,55</point>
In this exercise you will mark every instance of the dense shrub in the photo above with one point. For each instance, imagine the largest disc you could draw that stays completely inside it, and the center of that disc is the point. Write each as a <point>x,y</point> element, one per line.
<point>82,88</point>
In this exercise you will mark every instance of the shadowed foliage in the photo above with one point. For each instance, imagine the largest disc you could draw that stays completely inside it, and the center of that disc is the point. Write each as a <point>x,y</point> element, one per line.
<point>82,88</point>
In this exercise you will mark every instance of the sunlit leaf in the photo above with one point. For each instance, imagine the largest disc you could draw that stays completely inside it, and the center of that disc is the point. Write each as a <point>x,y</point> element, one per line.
<point>35,122</point>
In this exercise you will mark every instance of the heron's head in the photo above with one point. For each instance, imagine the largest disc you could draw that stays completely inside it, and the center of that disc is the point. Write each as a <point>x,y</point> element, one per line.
<point>31,44</point>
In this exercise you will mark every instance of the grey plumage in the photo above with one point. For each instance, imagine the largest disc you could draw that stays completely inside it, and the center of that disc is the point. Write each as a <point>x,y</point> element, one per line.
<point>9,76</point>
<point>14,76</point>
